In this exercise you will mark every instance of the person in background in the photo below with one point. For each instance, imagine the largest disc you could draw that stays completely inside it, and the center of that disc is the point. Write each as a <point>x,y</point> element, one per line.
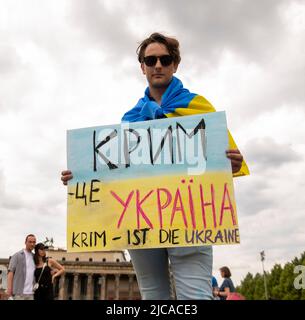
<point>215,288</point>
<point>47,269</point>
<point>20,277</point>
<point>227,285</point>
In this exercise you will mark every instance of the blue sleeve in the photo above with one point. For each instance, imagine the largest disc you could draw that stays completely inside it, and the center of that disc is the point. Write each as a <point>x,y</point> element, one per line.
<point>214,282</point>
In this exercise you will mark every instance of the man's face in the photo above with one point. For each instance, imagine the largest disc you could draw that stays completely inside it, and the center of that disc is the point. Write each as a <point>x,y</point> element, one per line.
<point>30,243</point>
<point>158,76</point>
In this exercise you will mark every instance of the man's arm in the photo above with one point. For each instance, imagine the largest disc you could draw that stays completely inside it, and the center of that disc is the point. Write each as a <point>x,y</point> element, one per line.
<point>10,275</point>
<point>10,278</point>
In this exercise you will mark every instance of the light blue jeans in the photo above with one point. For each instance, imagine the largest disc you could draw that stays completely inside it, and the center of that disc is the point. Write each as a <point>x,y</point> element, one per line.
<point>191,268</point>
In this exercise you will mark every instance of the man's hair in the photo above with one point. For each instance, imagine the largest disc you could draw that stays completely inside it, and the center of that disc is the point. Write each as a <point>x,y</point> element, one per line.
<point>29,235</point>
<point>226,272</point>
<point>171,44</point>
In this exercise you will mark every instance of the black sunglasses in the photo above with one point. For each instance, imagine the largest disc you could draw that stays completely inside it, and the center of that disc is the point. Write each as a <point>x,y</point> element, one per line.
<point>165,60</point>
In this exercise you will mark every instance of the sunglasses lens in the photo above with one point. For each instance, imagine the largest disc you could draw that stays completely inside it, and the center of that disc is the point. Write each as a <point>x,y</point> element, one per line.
<point>150,61</point>
<point>165,60</point>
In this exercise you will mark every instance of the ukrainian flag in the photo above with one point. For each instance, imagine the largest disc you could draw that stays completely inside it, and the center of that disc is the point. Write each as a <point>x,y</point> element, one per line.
<point>176,102</point>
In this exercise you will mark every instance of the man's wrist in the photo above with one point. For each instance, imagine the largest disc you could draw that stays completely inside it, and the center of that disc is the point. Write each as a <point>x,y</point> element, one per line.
<point>9,294</point>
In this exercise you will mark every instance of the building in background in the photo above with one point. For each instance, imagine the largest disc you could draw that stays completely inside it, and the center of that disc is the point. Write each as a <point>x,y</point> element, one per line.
<point>105,275</point>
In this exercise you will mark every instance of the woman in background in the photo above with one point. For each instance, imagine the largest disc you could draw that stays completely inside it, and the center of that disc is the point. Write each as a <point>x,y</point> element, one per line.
<point>47,269</point>
<point>227,285</point>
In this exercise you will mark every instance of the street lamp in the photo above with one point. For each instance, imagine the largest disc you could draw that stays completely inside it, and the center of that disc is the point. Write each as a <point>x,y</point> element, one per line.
<point>262,253</point>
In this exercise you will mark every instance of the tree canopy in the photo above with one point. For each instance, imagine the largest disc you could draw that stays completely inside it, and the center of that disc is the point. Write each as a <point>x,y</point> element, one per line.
<point>280,282</point>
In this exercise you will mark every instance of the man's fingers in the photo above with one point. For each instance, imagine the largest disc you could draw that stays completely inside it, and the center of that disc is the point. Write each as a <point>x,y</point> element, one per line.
<point>237,157</point>
<point>236,163</point>
<point>234,156</point>
<point>66,178</point>
<point>233,151</point>
<point>65,172</point>
<point>66,175</point>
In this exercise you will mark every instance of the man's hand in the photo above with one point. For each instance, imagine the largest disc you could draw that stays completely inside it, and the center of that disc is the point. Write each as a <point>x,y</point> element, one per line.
<point>236,159</point>
<point>10,278</point>
<point>8,293</point>
<point>66,175</point>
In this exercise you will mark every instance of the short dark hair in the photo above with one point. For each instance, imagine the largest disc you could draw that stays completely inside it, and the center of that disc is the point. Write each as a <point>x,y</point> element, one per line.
<point>171,44</point>
<point>29,235</point>
<point>226,272</point>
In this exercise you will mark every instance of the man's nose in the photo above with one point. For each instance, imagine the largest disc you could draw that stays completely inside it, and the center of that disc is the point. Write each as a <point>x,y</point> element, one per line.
<point>158,64</point>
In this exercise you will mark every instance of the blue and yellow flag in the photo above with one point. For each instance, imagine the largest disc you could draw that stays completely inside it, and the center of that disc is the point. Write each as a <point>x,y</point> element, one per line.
<point>176,102</point>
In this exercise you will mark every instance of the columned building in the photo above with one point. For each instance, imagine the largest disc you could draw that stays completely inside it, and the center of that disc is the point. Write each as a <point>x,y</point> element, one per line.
<point>103,275</point>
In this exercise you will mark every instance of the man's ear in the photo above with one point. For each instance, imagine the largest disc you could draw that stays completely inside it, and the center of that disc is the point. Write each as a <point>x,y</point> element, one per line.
<point>143,68</point>
<point>176,67</point>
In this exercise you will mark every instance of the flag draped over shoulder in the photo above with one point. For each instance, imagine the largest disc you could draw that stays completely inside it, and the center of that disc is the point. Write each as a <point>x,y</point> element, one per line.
<point>176,101</point>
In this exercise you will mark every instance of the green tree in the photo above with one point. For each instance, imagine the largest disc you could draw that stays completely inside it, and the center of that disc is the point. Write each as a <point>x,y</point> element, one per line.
<point>280,283</point>
<point>273,282</point>
<point>259,287</point>
<point>287,283</point>
<point>247,287</point>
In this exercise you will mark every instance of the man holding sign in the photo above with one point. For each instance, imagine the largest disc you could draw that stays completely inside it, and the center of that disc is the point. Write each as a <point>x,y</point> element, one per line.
<point>182,231</point>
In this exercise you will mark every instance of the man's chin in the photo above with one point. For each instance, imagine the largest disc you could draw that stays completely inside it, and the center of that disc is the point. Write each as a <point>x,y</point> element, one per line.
<point>160,83</point>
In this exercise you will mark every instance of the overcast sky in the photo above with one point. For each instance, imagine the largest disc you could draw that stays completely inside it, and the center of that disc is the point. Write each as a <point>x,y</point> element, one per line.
<point>70,64</point>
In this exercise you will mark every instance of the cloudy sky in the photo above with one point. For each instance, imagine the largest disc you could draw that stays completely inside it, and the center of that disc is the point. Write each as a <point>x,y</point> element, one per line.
<point>68,64</point>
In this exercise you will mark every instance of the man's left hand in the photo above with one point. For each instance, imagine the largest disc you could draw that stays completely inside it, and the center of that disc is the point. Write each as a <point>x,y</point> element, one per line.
<point>236,159</point>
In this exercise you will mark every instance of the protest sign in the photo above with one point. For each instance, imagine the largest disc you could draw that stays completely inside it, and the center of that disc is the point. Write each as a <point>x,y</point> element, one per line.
<point>152,184</point>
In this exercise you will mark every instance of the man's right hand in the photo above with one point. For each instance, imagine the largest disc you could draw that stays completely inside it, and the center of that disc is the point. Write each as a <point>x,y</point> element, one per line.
<point>9,292</point>
<point>66,175</point>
